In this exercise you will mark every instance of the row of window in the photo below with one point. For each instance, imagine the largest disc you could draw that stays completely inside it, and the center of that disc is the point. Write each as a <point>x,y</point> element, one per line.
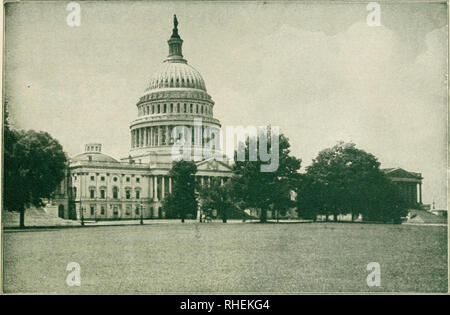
<point>115,179</point>
<point>115,210</point>
<point>115,193</point>
<point>175,108</point>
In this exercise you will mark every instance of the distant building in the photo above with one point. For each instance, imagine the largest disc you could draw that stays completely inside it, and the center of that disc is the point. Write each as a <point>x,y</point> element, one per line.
<point>441,212</point>
<point>102,187</point>
<point>410,184</point>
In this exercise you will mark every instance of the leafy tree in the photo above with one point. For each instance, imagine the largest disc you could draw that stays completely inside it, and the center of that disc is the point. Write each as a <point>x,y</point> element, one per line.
<point>34,165</point>
<point>308,203</point>
<point>347,180</point>
<point>255,188</point>
<point>183,199</point>
<point>218,197</point>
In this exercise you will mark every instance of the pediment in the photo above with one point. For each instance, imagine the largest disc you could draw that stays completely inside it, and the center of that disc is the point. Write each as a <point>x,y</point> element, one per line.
<point>401,173</point>
<point>213,165</point>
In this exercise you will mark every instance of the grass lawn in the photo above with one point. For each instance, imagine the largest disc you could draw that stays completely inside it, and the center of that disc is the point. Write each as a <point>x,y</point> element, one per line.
<point>216,257</point>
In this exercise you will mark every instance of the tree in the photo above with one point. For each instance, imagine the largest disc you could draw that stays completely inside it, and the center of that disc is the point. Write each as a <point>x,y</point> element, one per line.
<point>255,188</point>
<point>217,197</point>
<point>183,199</point>
<point>34,164</point>
<point>347,180</point>
<point>308,203</point>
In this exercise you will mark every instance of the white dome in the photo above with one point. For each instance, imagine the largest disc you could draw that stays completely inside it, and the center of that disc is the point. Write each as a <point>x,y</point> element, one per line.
<point>176,73</point>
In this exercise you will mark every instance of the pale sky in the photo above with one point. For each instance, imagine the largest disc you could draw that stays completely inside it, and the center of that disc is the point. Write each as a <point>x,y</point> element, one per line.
<point>317,70</point>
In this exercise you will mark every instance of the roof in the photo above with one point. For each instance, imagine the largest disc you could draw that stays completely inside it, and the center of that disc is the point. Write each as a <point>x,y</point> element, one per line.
<point>93,157</point>
<point>400,173</point>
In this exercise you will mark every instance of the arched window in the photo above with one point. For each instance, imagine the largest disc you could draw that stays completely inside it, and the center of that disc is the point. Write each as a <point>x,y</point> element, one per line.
<point>115,192</point>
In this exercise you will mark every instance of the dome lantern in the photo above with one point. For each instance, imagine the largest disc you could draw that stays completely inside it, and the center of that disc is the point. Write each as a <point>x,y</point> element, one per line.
<point>175,43</point>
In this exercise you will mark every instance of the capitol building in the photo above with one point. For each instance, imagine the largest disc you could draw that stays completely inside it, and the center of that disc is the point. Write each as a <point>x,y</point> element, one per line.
<point>99,186</point>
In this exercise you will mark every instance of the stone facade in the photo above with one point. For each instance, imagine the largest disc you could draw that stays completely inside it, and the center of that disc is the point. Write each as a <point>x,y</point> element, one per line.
<point>410,184</point>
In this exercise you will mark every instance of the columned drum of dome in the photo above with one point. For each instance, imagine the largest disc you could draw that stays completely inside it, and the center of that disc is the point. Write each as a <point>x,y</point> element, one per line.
<point>175,96</point>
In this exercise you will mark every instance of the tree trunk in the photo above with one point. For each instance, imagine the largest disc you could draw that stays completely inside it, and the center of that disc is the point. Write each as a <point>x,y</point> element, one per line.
<point>22,218</point>
<point>263,218</point>
<point>334,217</point>
<point>326,217</point>
<point>353,217</point>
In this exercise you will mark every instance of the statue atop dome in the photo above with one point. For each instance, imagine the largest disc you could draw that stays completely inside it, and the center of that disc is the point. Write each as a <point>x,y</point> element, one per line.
<point>175,22</point>
<point>175,42</point>
<point>175,27</point>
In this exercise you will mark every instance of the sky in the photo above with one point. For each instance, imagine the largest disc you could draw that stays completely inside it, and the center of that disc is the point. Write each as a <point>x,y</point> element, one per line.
<point>316,69</point>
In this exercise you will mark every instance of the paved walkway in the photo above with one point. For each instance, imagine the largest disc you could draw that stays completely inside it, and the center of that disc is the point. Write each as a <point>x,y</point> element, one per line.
<point>426,224</point>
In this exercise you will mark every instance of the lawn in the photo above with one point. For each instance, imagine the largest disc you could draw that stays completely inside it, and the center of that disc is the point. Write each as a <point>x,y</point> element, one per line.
<point>215,257</point>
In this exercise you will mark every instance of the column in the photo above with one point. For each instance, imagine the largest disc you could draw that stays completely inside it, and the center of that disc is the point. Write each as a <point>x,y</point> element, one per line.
<point>159,135</point>
<point>170,185</point>
<point>151,136</point>
<point>137,137</point>
<point>162,187</point>
<point>150,142</point>
<point>132,139</point>
<point>167,135</point>
<point>150,187</point>
<point>144,136</point>
<point>221,181</point>
<point>202,181</point>
<point>420,193</point>
<point>155,188</point>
